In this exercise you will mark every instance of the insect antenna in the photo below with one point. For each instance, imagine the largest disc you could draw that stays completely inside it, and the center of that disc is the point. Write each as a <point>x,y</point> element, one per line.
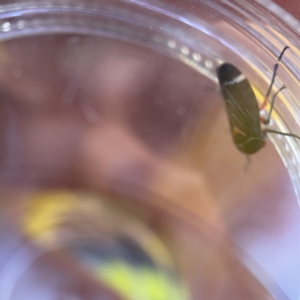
<point>247,164</point>
<point>263,105</point>
<point>268,130</point>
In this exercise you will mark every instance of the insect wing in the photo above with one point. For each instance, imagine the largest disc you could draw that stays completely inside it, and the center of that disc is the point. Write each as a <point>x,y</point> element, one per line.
<point>241,104</point>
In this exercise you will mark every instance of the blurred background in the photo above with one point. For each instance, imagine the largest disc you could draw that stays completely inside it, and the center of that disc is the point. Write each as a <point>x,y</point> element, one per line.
<point>119,178</point>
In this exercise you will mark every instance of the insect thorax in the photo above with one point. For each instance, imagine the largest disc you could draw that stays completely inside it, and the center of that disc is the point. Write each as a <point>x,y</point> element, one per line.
<point>251,144</point>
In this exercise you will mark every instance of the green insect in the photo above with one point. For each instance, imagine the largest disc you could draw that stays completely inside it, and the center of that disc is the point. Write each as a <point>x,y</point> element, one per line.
<point>243,110</point>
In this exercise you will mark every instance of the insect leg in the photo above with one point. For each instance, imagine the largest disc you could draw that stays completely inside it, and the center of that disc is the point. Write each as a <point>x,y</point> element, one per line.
<point>281,54</point>
<point>267,120</point>
<point>263,105</point>
<point>268,130</point>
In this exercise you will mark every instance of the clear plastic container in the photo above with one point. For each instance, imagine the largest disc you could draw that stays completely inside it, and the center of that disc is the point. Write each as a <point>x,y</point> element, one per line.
<point>119,99</point>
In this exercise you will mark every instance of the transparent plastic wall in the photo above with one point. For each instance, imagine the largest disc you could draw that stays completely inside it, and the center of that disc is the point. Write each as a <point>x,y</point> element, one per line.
<point>119,178</point>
